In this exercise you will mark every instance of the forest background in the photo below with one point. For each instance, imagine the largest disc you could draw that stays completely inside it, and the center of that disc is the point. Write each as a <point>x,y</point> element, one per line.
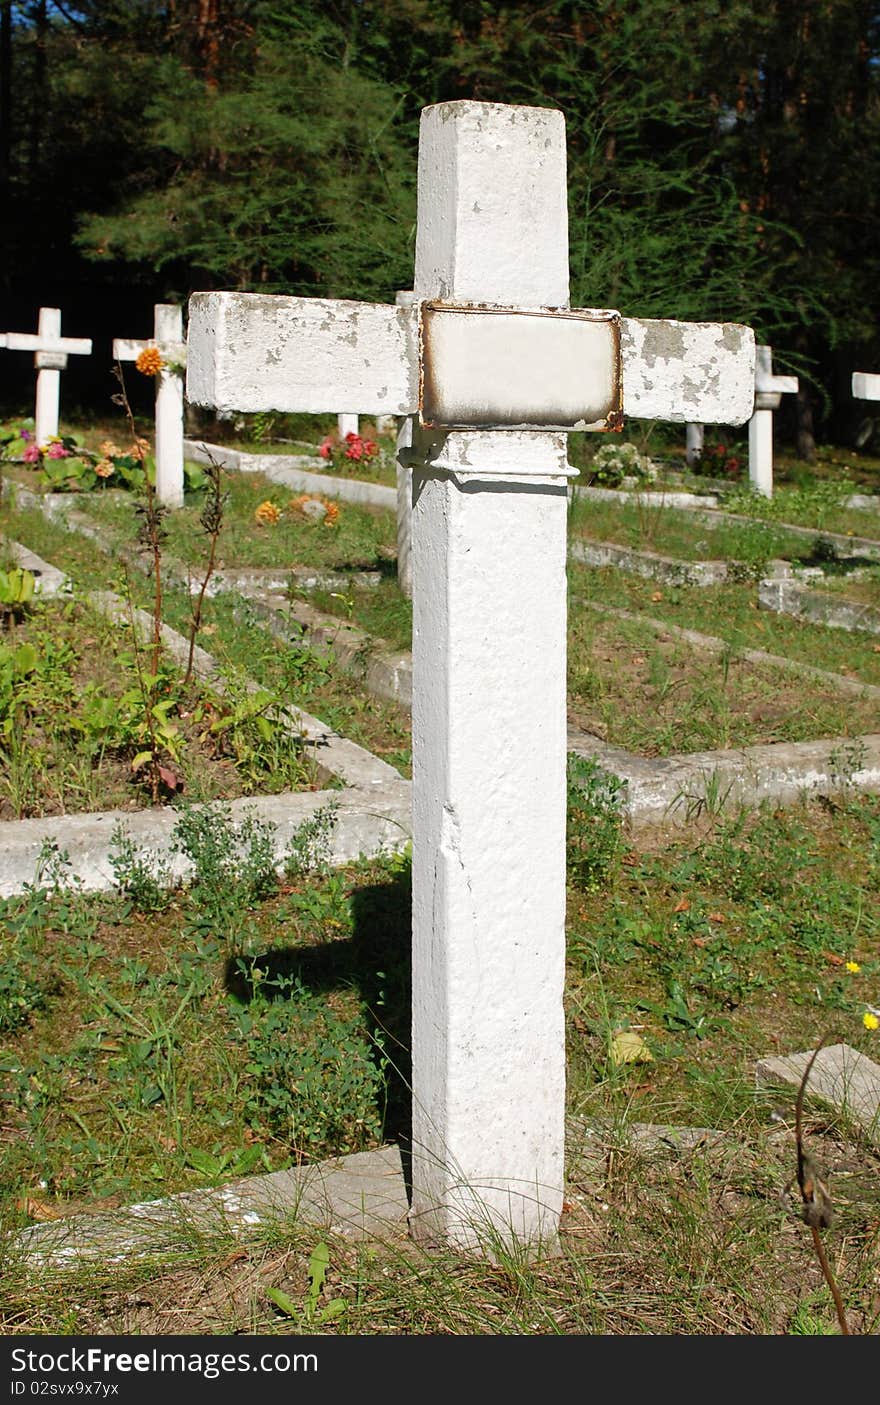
<point>723,162</point>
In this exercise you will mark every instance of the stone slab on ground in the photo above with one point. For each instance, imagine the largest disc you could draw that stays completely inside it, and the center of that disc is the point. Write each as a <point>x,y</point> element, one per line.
<point>841,1076</point>
<point>359,1196</point>
<point>820,607</point>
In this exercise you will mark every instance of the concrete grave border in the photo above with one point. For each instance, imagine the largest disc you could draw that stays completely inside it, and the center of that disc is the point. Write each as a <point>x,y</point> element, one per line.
<point>371,813</point>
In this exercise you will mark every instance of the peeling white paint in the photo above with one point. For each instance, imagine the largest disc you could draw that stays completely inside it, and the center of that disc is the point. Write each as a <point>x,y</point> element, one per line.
<point>687,372</point>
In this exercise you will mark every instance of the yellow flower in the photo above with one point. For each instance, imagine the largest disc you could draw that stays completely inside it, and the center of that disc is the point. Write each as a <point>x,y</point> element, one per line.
<point>150,362</point>
<point>853,966</point>
<point>104,468</point>
<point>267,512</point>
<point>870,1021</point>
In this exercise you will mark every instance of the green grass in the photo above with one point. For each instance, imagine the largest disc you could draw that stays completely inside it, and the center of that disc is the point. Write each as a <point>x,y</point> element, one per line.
<point>303,676</point>
<point>647,526</point>
<point>141,1054</point>
<point>730,612</point>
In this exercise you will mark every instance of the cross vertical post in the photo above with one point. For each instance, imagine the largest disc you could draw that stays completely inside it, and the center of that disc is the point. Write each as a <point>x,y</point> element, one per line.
<point>48,398</point>
<point>694,437</point>
<point>168,340</point>
<point>769,389</point>
<point>489,715</point>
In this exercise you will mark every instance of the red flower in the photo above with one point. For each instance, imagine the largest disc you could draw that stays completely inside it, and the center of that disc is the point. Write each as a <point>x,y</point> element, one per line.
<point>325,448</point>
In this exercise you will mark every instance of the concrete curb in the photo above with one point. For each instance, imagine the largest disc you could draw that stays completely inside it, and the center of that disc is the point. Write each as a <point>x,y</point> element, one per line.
<point>294,472</point>
<point>819,607</point>
<point>360,1196</point>
<point>364,1195</point>
<point>659,497</point>
<point>676,789</point>
<point>370,815</point>
<point>840,1076</point>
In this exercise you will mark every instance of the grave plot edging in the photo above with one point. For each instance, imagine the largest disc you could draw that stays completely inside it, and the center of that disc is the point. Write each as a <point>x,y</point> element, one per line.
<point>792,598</point>
<point>292,471</point>
<point>364,826</point>
<point>675,789</point>
<point>371,814</point>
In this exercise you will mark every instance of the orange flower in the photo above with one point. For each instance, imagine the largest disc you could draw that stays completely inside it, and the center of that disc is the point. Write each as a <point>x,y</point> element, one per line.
<point>267,512</point>
<point>139,449</point>
<point>109,450</point>
<point>104,468</point>
<point>150,362</point>
<point>332,516</point>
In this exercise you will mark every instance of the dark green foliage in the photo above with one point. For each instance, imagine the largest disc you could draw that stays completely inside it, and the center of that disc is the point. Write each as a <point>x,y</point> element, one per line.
<point>723,164</point>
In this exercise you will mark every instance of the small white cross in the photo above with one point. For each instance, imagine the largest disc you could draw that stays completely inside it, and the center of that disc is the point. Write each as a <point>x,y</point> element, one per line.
<point>168,340</point>
<point>51,351</point>
<point>491,366</point>
<point>769,389</point>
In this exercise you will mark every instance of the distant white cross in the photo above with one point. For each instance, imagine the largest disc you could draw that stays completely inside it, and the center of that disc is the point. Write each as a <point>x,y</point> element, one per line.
<point>492,366</point>
<point>865,386</point>
<point>51,351</point>
<point>769,390</point>
<point>168,340</point>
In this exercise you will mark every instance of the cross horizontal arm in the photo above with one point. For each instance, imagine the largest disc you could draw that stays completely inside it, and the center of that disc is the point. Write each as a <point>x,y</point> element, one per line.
<point>250,352</point>
<point>32,341</point>
<point>687,372</point>
<point>127,349</point>
<point>865,386</point>
<point>253,351</point>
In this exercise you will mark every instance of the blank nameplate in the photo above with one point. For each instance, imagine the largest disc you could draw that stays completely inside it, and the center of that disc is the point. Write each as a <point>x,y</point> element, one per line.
<point>503,368</point>
<point>50,360</point>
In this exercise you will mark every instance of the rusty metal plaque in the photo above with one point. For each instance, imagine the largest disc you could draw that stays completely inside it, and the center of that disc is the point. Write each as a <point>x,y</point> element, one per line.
<point>510,368</point>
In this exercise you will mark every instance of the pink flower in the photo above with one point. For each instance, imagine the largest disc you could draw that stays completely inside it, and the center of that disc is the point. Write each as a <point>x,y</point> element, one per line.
<point>57,450</point>
<point>31,454</point>
<point>325,448</point>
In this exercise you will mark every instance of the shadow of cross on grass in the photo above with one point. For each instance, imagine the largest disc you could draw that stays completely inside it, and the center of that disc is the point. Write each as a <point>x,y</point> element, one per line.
<point>375,961</point>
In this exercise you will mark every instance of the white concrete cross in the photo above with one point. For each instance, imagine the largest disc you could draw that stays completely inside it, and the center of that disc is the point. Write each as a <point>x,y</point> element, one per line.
<point>51,351</point>
<point>493,367</point>
<point>168,340</point>
<point>865,386</point>
<point>769,390</point>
